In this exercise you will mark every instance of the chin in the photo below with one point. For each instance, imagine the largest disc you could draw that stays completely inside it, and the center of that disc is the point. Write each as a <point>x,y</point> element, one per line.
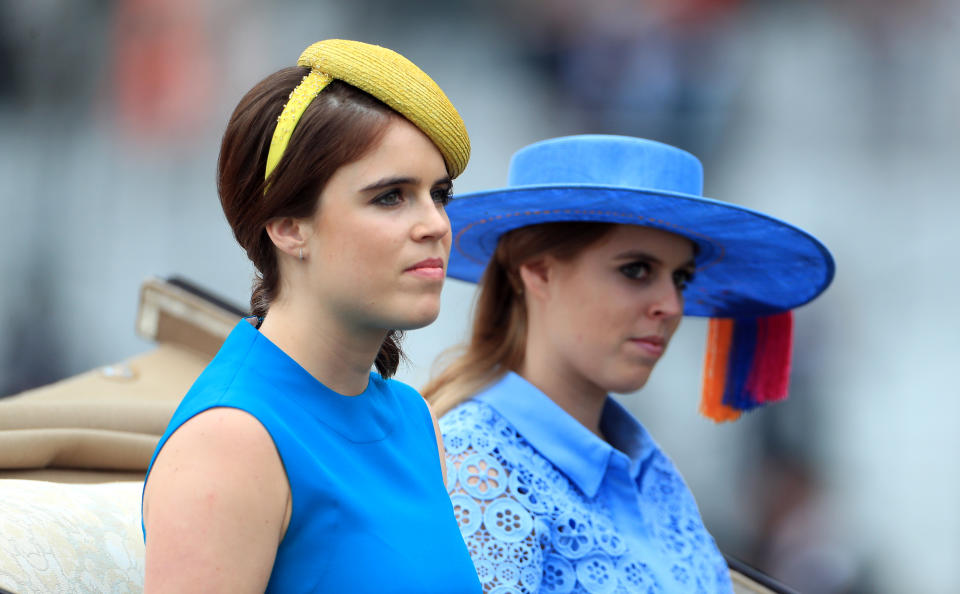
<point>628,384</point>
<point>416,319</point>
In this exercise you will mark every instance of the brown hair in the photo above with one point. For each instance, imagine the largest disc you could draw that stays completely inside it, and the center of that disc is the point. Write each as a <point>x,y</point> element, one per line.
<point>498,339</point>
<point>338,127</point>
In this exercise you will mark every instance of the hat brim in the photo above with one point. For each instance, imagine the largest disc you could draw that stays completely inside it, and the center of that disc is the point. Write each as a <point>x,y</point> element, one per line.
<point>748,264</point>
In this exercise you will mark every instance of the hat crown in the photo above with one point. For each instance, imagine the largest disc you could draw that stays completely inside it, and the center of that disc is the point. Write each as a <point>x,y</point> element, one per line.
<point>605,160</point>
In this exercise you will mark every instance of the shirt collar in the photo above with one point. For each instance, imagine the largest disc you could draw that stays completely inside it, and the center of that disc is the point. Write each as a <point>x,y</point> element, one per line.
<point>571,447</point>
<point>626,434</point>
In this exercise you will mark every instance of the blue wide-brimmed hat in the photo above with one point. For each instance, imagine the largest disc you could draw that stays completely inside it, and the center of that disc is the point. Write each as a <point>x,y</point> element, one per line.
<point>749,265</point>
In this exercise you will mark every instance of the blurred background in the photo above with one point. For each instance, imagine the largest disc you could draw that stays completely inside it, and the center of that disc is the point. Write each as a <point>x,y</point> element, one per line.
<point>839,116</point>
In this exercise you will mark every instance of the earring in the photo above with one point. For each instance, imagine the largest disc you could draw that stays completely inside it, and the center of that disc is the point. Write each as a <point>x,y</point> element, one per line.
<point>301,253</point>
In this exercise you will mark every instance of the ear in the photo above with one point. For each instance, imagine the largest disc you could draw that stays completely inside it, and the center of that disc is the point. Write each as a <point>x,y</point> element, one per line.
<point>535,276</point>
<point>289,234</point>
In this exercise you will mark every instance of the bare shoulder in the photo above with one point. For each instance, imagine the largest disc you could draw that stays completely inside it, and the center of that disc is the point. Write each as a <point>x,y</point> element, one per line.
<point>215,505</point>
<point>216,447</point>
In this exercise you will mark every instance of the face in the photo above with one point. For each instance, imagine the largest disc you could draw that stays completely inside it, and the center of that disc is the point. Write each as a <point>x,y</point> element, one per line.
<point>610,312</point>
<point>379,242</point>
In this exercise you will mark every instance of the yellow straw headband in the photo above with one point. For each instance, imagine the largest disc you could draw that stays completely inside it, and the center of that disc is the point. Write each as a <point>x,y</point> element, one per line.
<point>389,77</point>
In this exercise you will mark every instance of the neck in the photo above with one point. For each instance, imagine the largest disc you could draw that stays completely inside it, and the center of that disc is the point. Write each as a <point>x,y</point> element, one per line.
<point>338,355</point>
<point>580,399</point>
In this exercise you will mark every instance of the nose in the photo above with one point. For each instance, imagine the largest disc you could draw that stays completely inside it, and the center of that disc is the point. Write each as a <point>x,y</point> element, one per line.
<point>432,221</point>
<point>668,301</point>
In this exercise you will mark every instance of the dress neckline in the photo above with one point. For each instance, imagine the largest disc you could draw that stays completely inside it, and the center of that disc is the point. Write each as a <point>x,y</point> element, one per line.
<point>365,417</point>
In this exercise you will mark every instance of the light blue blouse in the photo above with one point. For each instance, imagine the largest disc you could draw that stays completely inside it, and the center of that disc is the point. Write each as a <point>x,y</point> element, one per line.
<point>545,505</point>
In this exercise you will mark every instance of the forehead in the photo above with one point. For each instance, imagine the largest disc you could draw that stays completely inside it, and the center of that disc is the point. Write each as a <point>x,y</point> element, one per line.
<point>670,248</point>
<point>402,147</point>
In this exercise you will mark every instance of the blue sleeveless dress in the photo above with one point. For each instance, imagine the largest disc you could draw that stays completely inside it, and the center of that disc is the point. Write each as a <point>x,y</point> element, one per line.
<point>370,511</point>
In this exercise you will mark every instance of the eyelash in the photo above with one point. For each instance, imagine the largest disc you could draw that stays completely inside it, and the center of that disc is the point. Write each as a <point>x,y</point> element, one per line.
<point>681,278</point>
<point>441,196</point>
<point>627,269</point>
<point>389,198</point>
<point>446,194</point>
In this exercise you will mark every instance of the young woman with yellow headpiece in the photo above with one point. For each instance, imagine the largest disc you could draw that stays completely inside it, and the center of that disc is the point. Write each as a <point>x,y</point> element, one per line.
<point>289,466</point>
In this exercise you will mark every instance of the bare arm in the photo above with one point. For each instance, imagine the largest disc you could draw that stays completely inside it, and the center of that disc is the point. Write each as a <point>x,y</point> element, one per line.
<point>216,506</point>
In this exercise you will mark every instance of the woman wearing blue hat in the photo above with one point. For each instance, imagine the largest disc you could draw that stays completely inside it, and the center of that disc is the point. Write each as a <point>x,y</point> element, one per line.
<point>587,262</point>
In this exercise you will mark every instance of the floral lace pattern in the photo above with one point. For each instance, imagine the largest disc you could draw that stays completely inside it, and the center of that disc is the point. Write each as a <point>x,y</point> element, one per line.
<point>530,529</point>
<point>63,537</point>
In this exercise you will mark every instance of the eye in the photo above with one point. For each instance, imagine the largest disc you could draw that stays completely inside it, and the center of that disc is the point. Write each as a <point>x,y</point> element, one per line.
<point>635,270</point>
<point>390,198</point>
<point>682,278</point>
<point>442,196</point>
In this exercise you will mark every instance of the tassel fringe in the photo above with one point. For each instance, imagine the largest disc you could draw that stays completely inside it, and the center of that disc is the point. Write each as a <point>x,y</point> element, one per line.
<point>747,364</point>
<point>719,337</point>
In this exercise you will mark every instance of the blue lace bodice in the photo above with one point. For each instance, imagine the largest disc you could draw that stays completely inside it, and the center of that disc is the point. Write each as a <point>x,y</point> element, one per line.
<point>544,505</point>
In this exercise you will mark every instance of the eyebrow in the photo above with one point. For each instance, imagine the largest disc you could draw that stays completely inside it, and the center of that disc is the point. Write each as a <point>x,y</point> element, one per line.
<point>402,181</point>
<point>638,255</point>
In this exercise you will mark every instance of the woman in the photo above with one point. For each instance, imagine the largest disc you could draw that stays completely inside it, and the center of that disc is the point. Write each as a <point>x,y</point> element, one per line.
<point>588,261</point>
<point>290,466</point>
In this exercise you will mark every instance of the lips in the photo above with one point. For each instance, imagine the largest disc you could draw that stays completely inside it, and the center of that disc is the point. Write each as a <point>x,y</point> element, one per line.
<point>431,268</point>
<point>652,345</point>
<point>428,263</point>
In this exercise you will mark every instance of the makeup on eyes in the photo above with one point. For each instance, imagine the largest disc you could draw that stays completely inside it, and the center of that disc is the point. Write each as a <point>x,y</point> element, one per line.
<point>441,192</point>
<point>641,261</point>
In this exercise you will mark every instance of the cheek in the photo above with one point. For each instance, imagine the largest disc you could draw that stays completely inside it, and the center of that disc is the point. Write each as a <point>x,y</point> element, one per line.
<point>446,242</point>
<point>359,240</point>
<point>594,318</point>
<point>672,327</point>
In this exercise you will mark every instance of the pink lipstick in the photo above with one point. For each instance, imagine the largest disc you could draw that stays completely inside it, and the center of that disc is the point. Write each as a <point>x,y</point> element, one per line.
<point>431,268</point>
